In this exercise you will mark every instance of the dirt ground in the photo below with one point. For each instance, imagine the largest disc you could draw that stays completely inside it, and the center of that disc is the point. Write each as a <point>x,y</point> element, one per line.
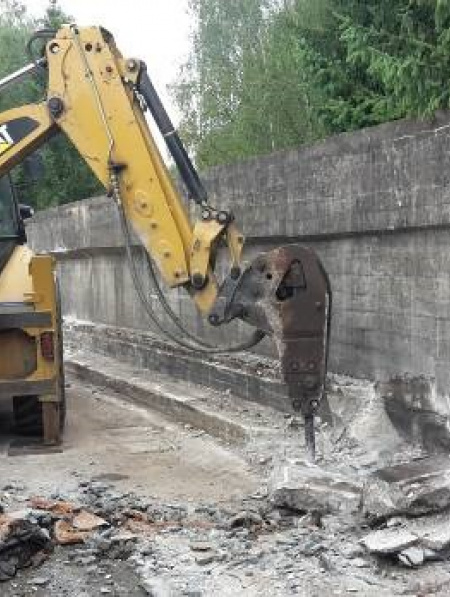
<point>186,515</point>
<point>142,452</point>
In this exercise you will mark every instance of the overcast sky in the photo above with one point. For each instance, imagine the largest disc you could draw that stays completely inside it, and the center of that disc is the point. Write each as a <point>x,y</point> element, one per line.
<point>157,31</point>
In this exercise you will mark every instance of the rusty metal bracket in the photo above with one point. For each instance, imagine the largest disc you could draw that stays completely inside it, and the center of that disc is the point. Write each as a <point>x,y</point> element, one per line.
<point>205,235</point>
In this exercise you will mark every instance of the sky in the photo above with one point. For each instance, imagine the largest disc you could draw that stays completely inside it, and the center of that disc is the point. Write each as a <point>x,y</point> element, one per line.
<point>156,31</point>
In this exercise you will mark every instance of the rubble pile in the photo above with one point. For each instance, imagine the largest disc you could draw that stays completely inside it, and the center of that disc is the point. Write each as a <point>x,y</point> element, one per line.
<point>411,543</point>
<point>293,545</point>
<point>23,543</point>
<point>115,526</point>
<point>404,502</point>
<point>309,530</point>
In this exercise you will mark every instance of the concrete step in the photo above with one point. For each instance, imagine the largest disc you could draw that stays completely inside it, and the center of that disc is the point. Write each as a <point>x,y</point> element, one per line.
<point>218,413</point>
<point>248,376</point>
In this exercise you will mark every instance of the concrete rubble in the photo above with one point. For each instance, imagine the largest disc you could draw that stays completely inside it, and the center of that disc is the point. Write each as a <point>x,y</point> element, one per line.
<point>304,487</point>
<point>256,537</point>
<point>389,541</point>
<point>23,543</point>
<point>304,530</point>
<point>415,488</point>
<point>412,541</point>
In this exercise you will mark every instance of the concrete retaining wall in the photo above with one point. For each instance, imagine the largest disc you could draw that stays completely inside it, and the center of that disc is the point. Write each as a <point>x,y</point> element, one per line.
<point>374,204</point>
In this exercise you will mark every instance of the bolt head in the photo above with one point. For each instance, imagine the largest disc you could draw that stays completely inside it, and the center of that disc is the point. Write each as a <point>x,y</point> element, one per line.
<point>223,217</point>
<point>198,281</point>
<point>214,319</point>
<point>55,106</point>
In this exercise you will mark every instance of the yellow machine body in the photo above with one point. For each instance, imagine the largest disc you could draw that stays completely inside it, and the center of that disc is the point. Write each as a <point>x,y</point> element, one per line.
<point>29,314</point>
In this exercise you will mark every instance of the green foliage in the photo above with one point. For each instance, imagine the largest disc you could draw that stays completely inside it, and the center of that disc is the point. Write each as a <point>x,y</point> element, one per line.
<point>395,54</point>
<point>65,175</point>
<point>265,74</point>
<point>229,89</point>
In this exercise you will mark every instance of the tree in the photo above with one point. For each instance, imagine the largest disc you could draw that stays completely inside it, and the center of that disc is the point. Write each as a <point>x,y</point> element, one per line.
<point>374,61</point>
<point>65,175</point>
<point>223,93</point>
<point>243,91</point>
<point>267,75</point>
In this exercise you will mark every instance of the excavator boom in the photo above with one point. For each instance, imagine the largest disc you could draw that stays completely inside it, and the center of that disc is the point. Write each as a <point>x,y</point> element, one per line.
<point>97,98</point>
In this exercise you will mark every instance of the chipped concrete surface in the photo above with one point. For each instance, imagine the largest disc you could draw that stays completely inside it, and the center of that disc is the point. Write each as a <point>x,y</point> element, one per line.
<point>415,488</point>
<point>201,520</point>
<point>306,487</point>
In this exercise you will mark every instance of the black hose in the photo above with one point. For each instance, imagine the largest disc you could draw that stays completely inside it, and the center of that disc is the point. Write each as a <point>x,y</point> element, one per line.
<point>45,34</point>
<point>197,344</point>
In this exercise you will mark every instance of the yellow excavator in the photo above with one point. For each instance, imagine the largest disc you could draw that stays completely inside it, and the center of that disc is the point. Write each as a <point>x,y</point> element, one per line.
<point>98,99</point>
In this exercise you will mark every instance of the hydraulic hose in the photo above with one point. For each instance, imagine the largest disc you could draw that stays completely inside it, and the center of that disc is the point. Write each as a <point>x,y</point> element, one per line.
<point>196,344</point>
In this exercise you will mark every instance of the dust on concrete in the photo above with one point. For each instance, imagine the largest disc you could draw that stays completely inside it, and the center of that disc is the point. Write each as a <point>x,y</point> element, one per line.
<point>198,515</point>
<point>141,450</point>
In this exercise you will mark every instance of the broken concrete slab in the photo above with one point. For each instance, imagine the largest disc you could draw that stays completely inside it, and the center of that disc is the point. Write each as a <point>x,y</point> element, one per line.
<point>412,405</point>
<point>436,539</point>
<point>415,488</point>
<point>200,546</point>
<point>434,533</point>
<point>86,521</point>
<point>205,558</point>
<point>414,542</point>
<point>412,557</point>
<point>305,487</point>
<point>389,541</point>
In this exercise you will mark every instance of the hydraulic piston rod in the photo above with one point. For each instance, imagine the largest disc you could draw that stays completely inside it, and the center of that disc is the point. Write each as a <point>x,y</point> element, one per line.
<point>187,170</point>
<point>22,73</point>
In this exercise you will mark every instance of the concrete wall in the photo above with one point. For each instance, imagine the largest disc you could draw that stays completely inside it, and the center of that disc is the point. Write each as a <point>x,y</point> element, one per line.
<point>375,205</point>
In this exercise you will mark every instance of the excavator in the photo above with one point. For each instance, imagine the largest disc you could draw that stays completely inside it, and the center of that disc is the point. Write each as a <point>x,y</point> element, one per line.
<point>100,101</point>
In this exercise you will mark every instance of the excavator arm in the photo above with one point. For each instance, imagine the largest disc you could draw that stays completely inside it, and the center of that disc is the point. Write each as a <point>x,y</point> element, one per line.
<point>98,99</point>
